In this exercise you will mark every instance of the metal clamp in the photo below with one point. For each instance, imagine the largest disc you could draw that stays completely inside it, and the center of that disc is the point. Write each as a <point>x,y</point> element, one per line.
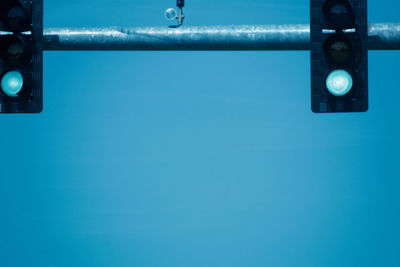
<point>171,14</point>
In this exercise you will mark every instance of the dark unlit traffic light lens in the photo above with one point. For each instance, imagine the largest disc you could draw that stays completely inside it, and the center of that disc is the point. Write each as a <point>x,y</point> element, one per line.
<point>339,51</point>
<point>15,16</point>
<point>338,11</point>
<point>12,83</point>
<point>338,48</point>
<point>339,82</point>
<point>15,50</point>
<point>15,13</point>
<point>11,49</point>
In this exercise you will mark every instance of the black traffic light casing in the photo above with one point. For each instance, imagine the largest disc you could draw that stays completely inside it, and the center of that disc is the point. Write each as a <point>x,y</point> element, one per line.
<point>21,27</point>
<point>180,3</point>
<point>339,41</point>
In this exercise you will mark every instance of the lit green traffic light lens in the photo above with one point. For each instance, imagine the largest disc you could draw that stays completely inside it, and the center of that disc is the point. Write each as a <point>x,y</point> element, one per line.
<point>12,83</point>
<point>339,82</point>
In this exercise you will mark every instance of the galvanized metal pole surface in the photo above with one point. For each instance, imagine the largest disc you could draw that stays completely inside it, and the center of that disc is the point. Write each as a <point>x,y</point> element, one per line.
<point>382,36</point>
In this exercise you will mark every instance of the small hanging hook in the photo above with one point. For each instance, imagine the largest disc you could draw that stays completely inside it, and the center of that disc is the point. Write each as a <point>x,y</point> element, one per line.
<point>171,14</point>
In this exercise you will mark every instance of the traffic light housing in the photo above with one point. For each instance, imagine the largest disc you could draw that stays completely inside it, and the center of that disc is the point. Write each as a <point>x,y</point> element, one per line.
<point>339,56</point>
<point>21,56</point>
<point>180,3</point>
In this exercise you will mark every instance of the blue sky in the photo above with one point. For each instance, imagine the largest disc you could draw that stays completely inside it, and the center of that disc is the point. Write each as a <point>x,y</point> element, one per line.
<point>198,158</point>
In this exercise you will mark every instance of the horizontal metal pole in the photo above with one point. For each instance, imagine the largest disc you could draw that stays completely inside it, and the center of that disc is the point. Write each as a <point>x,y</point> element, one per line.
<point>382,36</point>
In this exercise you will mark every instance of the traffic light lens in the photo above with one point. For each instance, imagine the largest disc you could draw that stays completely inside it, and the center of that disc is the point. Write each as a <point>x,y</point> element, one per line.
<point>339,51</point>
<point>338,48</point>
<point>15,50</point>
<point>12,83</point>
<point>11,49</point>
<point>339,82</point>
<point>338,12</point>
<point>339,9</point>
<point>15,13</point>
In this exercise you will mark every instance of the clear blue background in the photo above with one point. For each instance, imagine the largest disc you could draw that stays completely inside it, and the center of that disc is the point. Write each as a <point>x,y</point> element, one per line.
<point>199,158</point>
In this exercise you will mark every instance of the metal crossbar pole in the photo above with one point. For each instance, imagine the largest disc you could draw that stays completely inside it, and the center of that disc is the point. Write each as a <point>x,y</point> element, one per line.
<point>382,36</point>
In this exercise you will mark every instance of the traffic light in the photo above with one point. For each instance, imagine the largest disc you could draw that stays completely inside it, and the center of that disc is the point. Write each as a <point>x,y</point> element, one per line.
<point>180,3</point>
<point>339,56</point>
<point>21,56</point>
